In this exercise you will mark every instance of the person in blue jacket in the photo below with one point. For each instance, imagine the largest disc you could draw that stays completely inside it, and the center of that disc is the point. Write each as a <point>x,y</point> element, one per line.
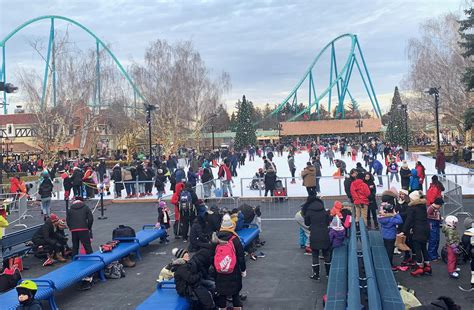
<point>378,170</point>
<point>414,181</point>
<point>192,177</point>
<point>389,220</point>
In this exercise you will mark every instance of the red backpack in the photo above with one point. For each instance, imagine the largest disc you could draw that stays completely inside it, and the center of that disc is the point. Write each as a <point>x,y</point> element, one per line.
<point>225,258</point>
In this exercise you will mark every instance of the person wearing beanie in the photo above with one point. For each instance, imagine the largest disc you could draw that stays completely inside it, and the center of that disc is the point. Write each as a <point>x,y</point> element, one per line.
<point>389,219</point>
<point>230,284</point>
<point>434,218</point>
<point>26,296</point>
<point>337,233</point>
<point>372,207</point>
<point>50,238</point>
<point>79,219</point>
<point>180,253</point>
<point>452,244</point>
<point>45,190</point>
<point>417,221</point>
<point>435,190</point>
<point>405,174</point>
<point>348,182</point>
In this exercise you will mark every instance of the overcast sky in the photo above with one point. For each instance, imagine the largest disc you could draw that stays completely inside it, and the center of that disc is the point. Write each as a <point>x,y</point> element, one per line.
<point>265,46</point>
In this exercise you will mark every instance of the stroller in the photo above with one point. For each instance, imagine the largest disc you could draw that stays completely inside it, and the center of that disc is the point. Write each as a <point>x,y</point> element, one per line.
<point>279,190</point>
<point>257,184</point>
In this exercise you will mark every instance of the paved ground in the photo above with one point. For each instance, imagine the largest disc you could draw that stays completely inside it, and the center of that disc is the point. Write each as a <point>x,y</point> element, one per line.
<point>279,281</point>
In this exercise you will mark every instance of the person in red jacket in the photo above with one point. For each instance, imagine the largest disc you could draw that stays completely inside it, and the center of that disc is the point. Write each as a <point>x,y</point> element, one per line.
<point>420,170</point>
<point>435,190</point>
<point>175,201</point>
<point>360,193</point>
<point>440,163</point>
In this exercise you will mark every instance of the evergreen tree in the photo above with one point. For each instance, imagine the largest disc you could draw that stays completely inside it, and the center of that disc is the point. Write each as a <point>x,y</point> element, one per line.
<point>396,133</point>
<point>233,122</point>
<point>222,121</point>
<point>245,131</point>
<point>466,28</point>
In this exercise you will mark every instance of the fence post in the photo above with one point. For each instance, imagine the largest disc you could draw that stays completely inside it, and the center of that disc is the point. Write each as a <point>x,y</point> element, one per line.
<point>286,186</point>
<point>241,187</point>
<point>340,186</point>
<point>136,187</point>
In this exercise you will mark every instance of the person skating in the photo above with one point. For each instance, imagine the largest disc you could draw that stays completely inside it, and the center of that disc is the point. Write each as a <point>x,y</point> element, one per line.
<point>317,219</point>
<point>452,244</point>
<point>309,179</point>
<point>292,167</point>
<point>26,291</point>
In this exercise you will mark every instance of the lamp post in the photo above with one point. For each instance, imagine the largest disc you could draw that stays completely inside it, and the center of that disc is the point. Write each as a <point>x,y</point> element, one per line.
<point>404,107</point>
<point>212,131</point>
<point>148,109</point>
<point>360,124</point>
<point>434,91</point>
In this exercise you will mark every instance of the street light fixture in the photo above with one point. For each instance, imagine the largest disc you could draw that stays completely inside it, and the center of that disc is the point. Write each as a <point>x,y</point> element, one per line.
<point>148,109</point>
<point>360,124</point>
<point>434,91</point>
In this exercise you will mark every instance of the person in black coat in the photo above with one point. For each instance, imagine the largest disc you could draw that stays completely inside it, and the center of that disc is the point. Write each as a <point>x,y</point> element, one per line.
<point>45,190</point>
<point>348,182</point>
<point>50,237</point>
<point>230,284</point>
<point>213,220</point>
<point>79,219</point>
<point>101,170</point>
<point>417,222</point>
<point>317,219</point>
<point>270,180</point>
<point>117,178</point>
<point>197,236</point>
<point>77,181</point>
<point>405,174</point>
<point>372,210</point>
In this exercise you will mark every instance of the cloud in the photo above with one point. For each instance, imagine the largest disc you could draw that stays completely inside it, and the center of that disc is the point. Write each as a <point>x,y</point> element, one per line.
<point>266,46</point>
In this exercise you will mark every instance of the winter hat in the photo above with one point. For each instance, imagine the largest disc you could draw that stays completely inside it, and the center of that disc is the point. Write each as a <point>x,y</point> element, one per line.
<point>162,204</point>
<point>404,191</point>
<point>54,218</point>
<point>336,224</point>
<point>179,253</point>
<point>404,164</point>
<point>227,223</point>
<point>336,209</point>
<point>468,221</point>
<point>416,195</point>
<point>28,288</point>
<point>439,201</point>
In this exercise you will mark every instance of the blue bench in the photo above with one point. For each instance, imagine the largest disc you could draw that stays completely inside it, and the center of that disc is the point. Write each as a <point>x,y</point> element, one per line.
<point>18,243</point>
<point>248,234</point>
<point>372,288</point>
<point>353,292</point>
<point>336,292</point>
<point>166,298</point>
<point>82,266</point>
<point>388,289</point>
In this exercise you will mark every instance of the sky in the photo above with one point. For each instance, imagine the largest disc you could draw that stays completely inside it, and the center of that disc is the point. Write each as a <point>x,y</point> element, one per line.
<point>265,46</point>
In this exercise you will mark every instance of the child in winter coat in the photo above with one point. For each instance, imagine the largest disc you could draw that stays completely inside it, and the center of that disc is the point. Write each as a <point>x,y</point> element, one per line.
<point>26,295</point>
<point>106,181</point>
<point>389,220</point>
<point>434,218</point>
<point>163,220</point>
<point>414,181</point>
<point>337,233</point>
<point>452,243</point>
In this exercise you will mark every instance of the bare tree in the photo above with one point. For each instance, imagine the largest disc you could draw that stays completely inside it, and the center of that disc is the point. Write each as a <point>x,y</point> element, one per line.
<point>436,60</point>
<point>176,80</point>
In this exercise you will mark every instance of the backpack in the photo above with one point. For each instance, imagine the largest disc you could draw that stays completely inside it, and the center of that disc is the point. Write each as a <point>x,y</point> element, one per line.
<point>114,270</point>
<point>123,231</point>
<point>185,202</point>
<point>225,257</point>
<point>9,279</point>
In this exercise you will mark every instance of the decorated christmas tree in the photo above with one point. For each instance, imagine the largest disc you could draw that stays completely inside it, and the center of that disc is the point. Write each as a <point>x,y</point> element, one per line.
<point>245,131</point>
<point>396,127</point>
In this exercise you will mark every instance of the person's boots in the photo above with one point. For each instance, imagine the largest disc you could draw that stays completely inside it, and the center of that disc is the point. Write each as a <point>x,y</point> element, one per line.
<point>59,257</point>
<point>315,275</point>
<point>418,271</point>
<point>427,269</point>
<point>327,266</point>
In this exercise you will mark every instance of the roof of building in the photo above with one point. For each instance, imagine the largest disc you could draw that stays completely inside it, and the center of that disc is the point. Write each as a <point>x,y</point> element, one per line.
<point>18,119</point>
<point>260,133</point>
<point>326,127</point>
<point>21,147</point>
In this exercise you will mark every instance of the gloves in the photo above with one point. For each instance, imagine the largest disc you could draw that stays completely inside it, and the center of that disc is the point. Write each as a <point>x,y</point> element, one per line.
<point>455,248</point>
<point>244,274</point>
